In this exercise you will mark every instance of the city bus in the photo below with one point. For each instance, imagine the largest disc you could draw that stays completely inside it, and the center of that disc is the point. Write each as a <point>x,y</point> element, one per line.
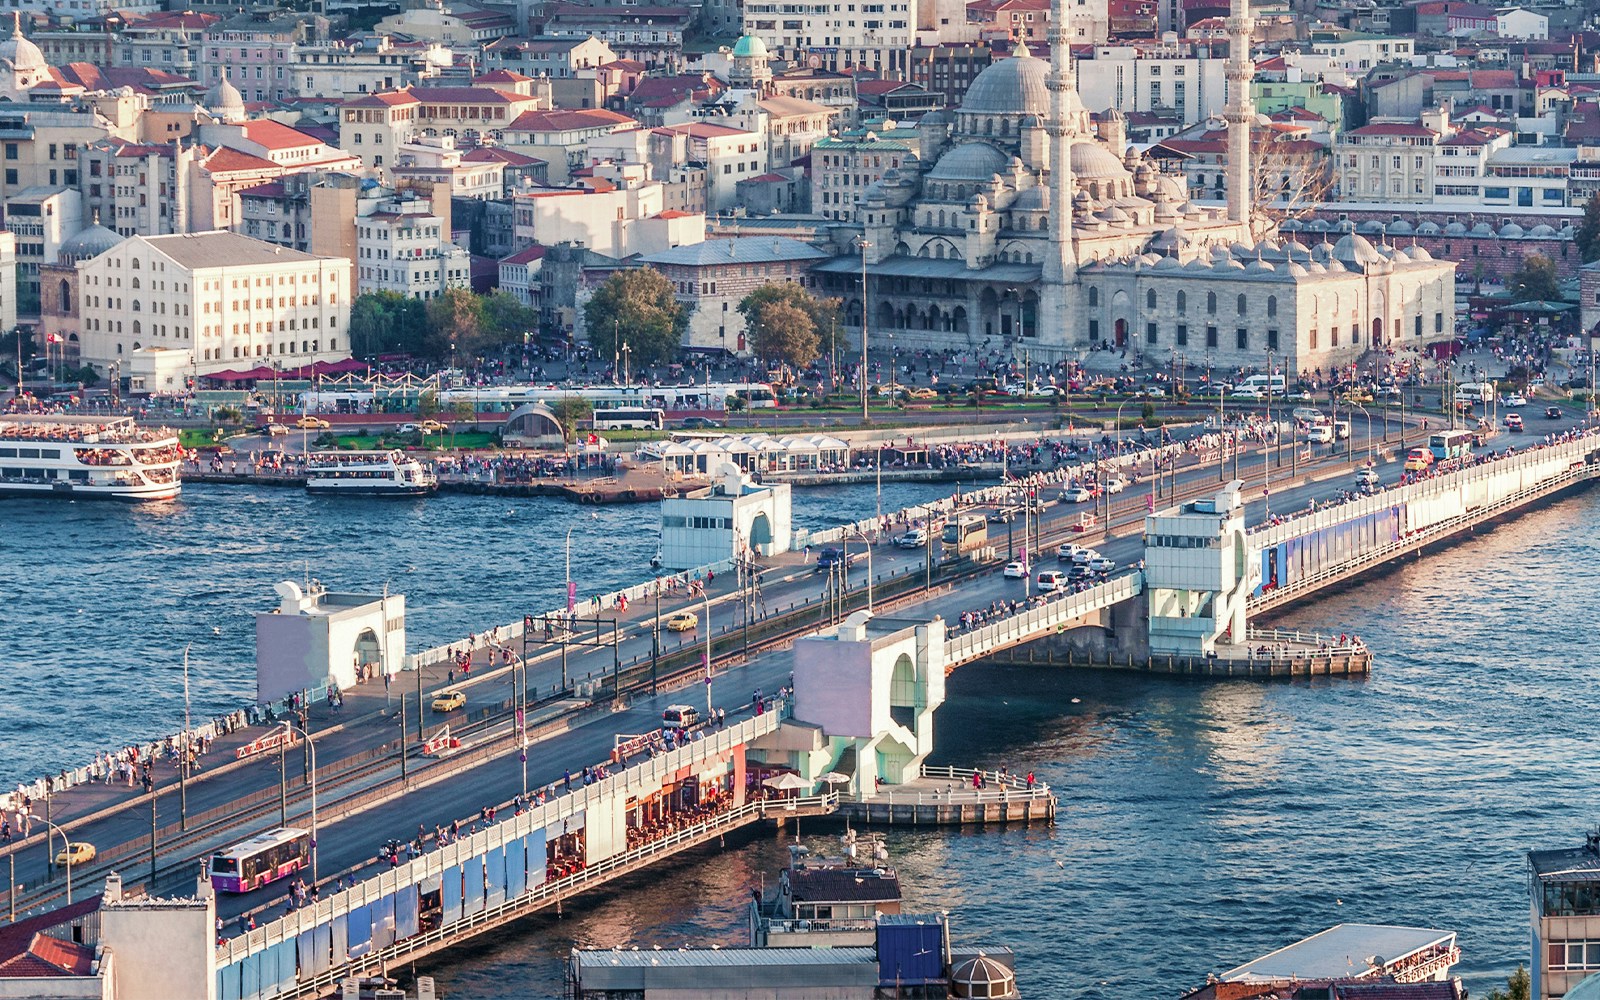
<point>261,859</point>
<point>1446,445</point>
<point>965,533</point>
<point>629,418</point>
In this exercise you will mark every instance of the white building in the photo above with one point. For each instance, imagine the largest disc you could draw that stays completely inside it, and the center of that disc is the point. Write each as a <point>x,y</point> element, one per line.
<point>733,517</point>
<point>1356,52</point>
<point>223,300</point>
<point>619,213</point>
<point>837,35</point>
<point>519,275</point>
<point>402,246</point>
<point>1155,78</point>
<point>314,636</point>
<point>1386,161</point>
<point>730,155</point>
<point>366,65</point>
<point>1519,22</point>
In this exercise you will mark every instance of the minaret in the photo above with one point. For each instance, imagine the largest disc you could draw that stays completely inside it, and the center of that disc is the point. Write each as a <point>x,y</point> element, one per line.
<point>1240,113</point>
<point>1057,315</point>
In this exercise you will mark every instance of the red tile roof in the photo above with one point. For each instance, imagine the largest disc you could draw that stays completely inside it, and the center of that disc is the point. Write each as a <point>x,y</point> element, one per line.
<point>276,135</point>
<point>496,154</point>
<point>502,76</point>
<point>18,955</point>
<point>1394,128</point>
<point>562,121</point>
<point>528,256</point>
<point>227,161</point>
<point>171,19</point>
<point>388,99</point>
<point>706,130</point>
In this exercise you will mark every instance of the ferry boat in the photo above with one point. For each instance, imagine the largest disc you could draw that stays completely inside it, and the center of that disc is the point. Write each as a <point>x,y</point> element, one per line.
<point>368,473</point>
<point>87,457</point>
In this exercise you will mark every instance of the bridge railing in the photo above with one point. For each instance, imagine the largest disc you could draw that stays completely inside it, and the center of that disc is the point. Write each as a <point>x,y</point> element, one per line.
<point>1035,621</point>
<point>997,780</point>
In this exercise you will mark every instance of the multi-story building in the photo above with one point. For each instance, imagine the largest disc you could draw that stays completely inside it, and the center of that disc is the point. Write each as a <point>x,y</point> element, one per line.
<point>1011,20</point>
<point>464,26</point>
<point>40,219</point>
<point>1564,888</point>
<point>1386,161</point>
<point>556,57</point>
<point>429,162</point>
<point>837,35</point>
<point>561,138</point>
<point>373,127</point>
<point>652,35</point>
<point>257,51</point>
<point>1357,52</point>
<point>403,245</point>
<point>842,167</point>
<point>948,69</point>
<point>618,211</point>
<point>222,299</point>
<point>791,126</point>
<point>1179,78</point>
<point>730,155</point>
<point>64,42</point>
<point>169,40</point>
<point>711,278</point>
<point>365,64</point>
<point>277,143</point>
<point>58,278</point>
<point>519,275</point>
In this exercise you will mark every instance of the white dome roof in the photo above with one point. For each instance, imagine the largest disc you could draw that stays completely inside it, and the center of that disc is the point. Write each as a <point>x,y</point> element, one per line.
<point>1034,199</point>
<point>19,53</point>
<point>1014,86</point>
<point>1356,249</point>
<point>1091,160</point>
<point>224,97</point>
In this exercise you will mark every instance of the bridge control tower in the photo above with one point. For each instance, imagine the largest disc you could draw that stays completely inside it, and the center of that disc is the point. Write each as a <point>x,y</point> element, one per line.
<point>1198,574</point>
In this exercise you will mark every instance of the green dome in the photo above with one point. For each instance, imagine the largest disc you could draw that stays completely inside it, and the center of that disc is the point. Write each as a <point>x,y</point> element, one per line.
<point>749,47</point>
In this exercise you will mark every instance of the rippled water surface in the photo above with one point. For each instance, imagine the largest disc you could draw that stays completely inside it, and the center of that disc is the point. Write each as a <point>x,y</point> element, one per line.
<point>1201,824</point>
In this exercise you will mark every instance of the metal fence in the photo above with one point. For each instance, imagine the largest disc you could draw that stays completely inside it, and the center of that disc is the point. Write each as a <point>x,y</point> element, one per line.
<point>1036,621</point>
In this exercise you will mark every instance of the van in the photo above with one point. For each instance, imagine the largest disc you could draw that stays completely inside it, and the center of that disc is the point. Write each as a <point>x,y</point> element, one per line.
<point>1319,434</point>
<point>1418,459</point>
<point>1050,580</point>
<point>1477,392</point>
<point>680,717</point>
<point>1341,430</point>
<point>1309,415</point>
<point>1264,383</point>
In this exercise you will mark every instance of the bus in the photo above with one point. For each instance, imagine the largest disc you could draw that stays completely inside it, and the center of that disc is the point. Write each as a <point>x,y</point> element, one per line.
<point>265,858</point>
<point>629,418</point>
<point>965,533</point>
<point>1446,445</point>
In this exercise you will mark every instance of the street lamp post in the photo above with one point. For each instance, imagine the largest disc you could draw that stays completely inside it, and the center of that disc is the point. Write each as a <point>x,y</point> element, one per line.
<point>705,594</point>
<point>311,748</point>
<point>866,543</point>
<point>864,245</point>
<point>66,846</point>
<point>570,603</point>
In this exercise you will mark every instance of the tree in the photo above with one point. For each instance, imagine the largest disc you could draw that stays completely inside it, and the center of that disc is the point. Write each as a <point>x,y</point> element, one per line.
<point>777,332</point>
<point>505,320</point>
<point>455,323</point>
<point>387,322</point>
<point>1535,278</point>
<point>1519,986</point>
<point>636,307</point>
<point>570,411</point>
<point>428,404</point>
<point>462,411</point>
<point>1289,179</point>
<point>1587,236</point>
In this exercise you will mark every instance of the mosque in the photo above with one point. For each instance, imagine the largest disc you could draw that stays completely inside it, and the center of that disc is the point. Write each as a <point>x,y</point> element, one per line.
<point>970,244</point>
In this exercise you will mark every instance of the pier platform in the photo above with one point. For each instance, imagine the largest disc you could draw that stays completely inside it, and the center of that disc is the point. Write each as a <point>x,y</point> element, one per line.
<point>946,796</point>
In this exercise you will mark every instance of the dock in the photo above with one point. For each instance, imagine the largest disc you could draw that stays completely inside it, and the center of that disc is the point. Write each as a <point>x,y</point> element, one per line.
<point>946,796</point>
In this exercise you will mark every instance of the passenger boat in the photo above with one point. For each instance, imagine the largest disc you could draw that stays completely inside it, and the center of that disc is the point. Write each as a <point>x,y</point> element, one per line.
<point>87,457</point>
<point>368,473</point>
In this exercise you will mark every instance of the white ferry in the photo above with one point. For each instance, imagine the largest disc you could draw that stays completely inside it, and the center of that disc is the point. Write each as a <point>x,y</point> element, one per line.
<point>87,457</point>
<point>368,473</point>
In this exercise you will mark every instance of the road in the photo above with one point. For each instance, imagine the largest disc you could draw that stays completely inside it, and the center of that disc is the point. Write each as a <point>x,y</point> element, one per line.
<point>785,582</point>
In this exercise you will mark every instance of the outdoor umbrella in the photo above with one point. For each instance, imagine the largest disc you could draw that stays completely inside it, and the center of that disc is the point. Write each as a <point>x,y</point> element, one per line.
<point>786,782</point>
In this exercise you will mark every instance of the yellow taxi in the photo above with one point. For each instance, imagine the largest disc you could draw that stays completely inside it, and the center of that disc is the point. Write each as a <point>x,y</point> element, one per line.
<point>76,852</point>
<point>450,701</point>
<point>312,424</point>
<point>1418,459</point>
<point>923,392</point>
<point>683,621</point>
<point>432,427</point>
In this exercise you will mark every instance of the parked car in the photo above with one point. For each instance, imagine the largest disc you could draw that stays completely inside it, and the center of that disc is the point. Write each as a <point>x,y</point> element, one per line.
<point>273,430</point>
<point>1367,481</point>
<point>449,701</point>
<point>1069,551</point>
<point>433,427</point>
<point>683,621</point>
<point>1115,485</point>
<point>1084,556</point>
<point>1514,399</point>
<point>1418,459</point>
<point>698,424</point>
<point>1015,570</point>
<point>1102,564</point>
<point>1246,392</point>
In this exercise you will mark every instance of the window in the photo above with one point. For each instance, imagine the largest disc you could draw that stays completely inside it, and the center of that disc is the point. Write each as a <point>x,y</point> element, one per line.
<point>1150,299</point>
<point>1272,340</point>
<point>1211,303</point>
<point>1272,306</point>
<point>1183,303</point>
<point>1094,296</point>
<point>1150,333</point>
<point>1242,339</point>
<point>1183,335</point>
<point>1242,305</point>
<point>1211,336</point>
<point>1094,329</point>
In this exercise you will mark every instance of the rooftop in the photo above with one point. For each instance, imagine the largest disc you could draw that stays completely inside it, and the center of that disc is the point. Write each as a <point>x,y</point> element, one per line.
<point>843,885</point>
<point>693,958</point>
<point>1571,864</point>
<point>1340,951</point>
<point>200,251</point>
<point>739,250</point>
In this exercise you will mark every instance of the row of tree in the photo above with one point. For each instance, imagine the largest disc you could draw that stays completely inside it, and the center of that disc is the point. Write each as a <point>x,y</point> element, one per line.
<point>637,309</point>
<point>458,323</point>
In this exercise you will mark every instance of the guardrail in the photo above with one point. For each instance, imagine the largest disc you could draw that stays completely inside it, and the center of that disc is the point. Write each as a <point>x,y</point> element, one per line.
<point>552,890</point>
<point>1041,619</point>
<point>1001,779</point>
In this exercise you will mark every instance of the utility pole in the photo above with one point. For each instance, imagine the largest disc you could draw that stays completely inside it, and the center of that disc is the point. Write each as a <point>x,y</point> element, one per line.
<point>403,726</point>
<point>865,245</point>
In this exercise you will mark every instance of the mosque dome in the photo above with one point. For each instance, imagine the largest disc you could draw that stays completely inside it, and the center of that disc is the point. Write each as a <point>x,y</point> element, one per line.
<point>1399,227</point>
<point>1295,247</point>
<point>1296,270</point>
<point>1482,229</point>
<point>1259,267</point>
<point>1356,249</point>
<point>1372,226</point>
<point>1511,230</point>
<point>19,53</point>
<point>1455,229</point>
<point>1014,86</point>
<point>1091,161</point>
<point>89,242</point>
<point>1228,264</point>
<point>1316,267</point>
<point>1428,229</point>
<point>1034,199</point>
<point>1420,253</point>
<point>1398,255</point>
<point>970,161</point>
<point>1542,231</point>
<point>224,100</point>
<point>1114,214</point>
<point>1168,263</point>
<point>749,47</point>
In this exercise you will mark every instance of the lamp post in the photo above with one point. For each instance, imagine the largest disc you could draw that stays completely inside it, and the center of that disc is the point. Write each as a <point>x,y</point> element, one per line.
<point>705,594</point>
<point>66,846</point>
<point>570,595</point>
<point>311,747</point>
<point>1115,459</point>
<point>866,543</point>
<point>183,771</point>
<point>864,245</point>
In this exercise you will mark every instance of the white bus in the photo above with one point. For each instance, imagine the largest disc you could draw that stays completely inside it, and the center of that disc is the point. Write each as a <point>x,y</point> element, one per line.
<point>1264,383</point>
<point>629,418</point>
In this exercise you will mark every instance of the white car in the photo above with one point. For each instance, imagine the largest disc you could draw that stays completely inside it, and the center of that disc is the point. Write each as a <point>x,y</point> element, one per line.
<point>1049,580</point>
<point>1245,392</point>
<point>1016,571</point>
<point>1515,399</point>
<point>1102,564</point>
<point>1069,551</point>
<point>1115,485</point>
<point>916,538</point>
<point>1076,494</point>
<point>1083,557</point>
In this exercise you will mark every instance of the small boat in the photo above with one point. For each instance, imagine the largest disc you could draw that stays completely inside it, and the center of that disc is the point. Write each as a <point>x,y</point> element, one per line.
<point>368,474</point>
